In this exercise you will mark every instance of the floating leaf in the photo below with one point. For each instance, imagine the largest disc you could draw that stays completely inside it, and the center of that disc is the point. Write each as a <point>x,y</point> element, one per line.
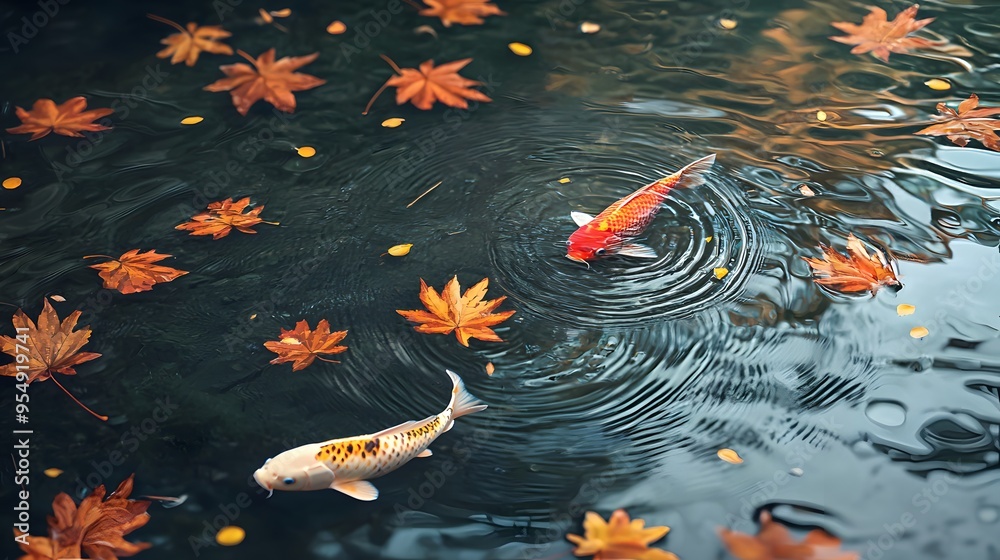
<point>428,85</point>
<point>708,239</point>
<point>302,345</point>
<point>56,297</point>
<point>520,49</point>
<point>968,123</point>
<point>230,535</point>
<point>393,122</point>
<point>11,183</point>
<point>400,250</point>
<point>806,191</point>
<point>282,13</point>
<point>135,271</point>
<point>67,119</point>
<point>564,180</point>
<point>462,12</point>
<point>187,45</point>
<point>937,84</point>
<point>919,332</point>
<point>856,272</point>
<point>720,272</point>
<point>192,120</point>
<point>468,315</point>
<point>52,472</point>
<point>267,79</point>
<point>619,538</point>
<point>306,151</point>
<point>730,456</point>
<point>222,217</point>
<point>727,24</point>
<point>878,35</point>
<point>821,115</point>
<point>336,28</point>
<point>490,368</point>
<point>775,542</point>
<point>905,309</point>
<point>589,27</point>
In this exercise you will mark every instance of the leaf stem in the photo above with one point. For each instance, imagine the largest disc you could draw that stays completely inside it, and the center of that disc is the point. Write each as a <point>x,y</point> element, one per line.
<point>425,194</point>
<point>270,223</point>
<point>247,56</point>
<point>415,5</point>
<point>175,25</point>
<point>391,63</point>
<point>374,97</point>
<point>96,415</point>
<point>321,358</point>
<point>99,257</point>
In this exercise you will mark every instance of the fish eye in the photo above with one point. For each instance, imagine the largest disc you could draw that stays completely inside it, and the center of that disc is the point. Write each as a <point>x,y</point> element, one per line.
<point>600,251</point>
<point>289,481</point>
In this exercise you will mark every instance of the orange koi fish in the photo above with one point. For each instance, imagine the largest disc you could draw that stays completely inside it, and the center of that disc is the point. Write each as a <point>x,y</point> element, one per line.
<point>345,465</point>
<point>610,231</point>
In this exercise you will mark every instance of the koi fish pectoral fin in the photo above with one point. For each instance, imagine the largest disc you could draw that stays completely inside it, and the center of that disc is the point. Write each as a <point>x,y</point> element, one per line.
<point>357,489</point>
<point>399,428</point>
<point>638,251</point>
<point>581,218</point>
<point>425,453</point>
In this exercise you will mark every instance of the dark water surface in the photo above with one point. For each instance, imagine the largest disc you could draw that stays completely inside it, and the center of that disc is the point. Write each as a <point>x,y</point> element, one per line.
<point>615,386</point>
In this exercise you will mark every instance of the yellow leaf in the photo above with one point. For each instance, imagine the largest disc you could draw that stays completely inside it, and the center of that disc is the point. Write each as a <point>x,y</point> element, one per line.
<point>708,239</point>
<point>11,183</point>
<point>57,297</point>
<point>230,535</point>
<point>53,472</point>
<point>254,316</point>
<point>192,120</point>
<point>905,309</point>
<point>564,180</point>
<point>490,368</point>
<point>821,115</point>
<point>727,23</point>
<point>590,27</point>
<point>284,12</point>
<point>400,250</point>
<point>393,122</point>
<point>919,332</point>
<point>938,84</point>
<point>336,28</point>
<point>720,272</point>
<point>730,456</point>
<point>806,191</point>
<point>306,151</point>
<point>520,49</point>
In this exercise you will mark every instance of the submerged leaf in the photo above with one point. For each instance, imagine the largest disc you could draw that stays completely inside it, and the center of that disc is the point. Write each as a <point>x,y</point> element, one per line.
<point>468,315</point>
<point>775,542</point>
<point>462,12</point>
<point>186,45</point>
<point>619,538</point>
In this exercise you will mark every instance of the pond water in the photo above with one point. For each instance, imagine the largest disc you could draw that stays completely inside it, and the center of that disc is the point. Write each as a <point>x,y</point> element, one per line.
<point>615,386</point>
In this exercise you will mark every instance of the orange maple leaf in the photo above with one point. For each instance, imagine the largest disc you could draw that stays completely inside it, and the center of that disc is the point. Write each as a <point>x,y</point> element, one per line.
<point>619,538</point>
<point>97,527</point>
<point>856,272</point>
<point>775,542</point>
<point>134,271</point>
<point>301,345</point>
<point>429,84</point>
<point>67,119</point>
<point>50,346</point>
<point>187,45</point>
<point>968,123</point>
<point>271,81</point>
<point>222,217</point>
<point>462,12</point>
<point>468,315</point>
<point>878,35</point>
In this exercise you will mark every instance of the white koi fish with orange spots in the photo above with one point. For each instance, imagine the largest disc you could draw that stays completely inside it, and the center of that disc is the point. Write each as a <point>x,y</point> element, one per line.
<point>345,465</point>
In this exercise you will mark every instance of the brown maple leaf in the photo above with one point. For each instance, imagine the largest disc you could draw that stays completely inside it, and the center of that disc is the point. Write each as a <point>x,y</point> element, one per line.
<point>968,123</point>
<point>856,272</point>
<point>67,119</point>
<point>222,217</point>
<point>50,346</point>
<point>619,538</point>
<point>462,12</point>
<point>775,542</point>
<point>878,35</point>
<point>97,527</point>
<point>271,81</point>
<point>429,84</point>
<point>187,45</point>
<point>134,271</point>
<point>301,345</point>
<point>468,315</point>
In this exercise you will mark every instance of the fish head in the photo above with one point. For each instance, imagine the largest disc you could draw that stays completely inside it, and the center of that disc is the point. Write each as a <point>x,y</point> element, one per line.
<point>588,244</point>
<point>295,470</point>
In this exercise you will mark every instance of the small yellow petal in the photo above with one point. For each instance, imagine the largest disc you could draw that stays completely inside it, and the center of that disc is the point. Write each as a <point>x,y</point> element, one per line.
<point>938,84</point>
<point>306,151</point>
<point>806,191</point>
<point>490,368</point>
<point>564,180</point>
<point>727,23</point>
<point>821,115</point>
<point>11,183</point>
<point>265,16</point>
<point>57,297</point>
<point>708,239</point>
<point>590,27</point>
<point>400,250</point>
<point>730,456</point>
<point>393,122</point>
<point>919,332</point>
<point>284,12</point>
<point>192,120</point>
<point>230,535</point>
<point>53,472</point>
<point>336,28</point>
<point>905,309</point>
<point>720,273</point>
<point>520,49</point>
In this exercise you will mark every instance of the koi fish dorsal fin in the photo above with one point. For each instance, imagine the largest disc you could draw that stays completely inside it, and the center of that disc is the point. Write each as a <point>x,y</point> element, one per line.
<point>580,218</point>
<point>357,489</point>
<point>399,428</point>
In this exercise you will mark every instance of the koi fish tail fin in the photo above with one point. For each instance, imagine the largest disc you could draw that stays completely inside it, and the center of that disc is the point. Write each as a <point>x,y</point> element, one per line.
<point>462,403</point>
<point>691,175</point>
